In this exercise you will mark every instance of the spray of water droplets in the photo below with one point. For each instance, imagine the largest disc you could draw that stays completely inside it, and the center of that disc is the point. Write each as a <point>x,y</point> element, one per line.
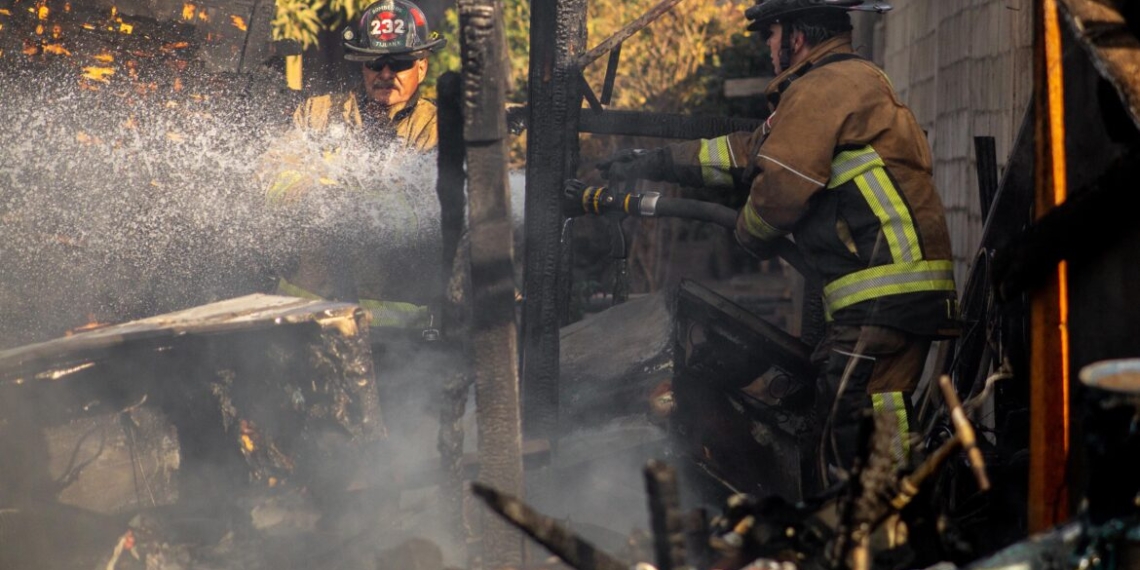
<point>117,205</point>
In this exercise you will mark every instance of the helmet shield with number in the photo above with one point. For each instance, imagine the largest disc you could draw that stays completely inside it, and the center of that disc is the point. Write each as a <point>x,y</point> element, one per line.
<point>393,28</point>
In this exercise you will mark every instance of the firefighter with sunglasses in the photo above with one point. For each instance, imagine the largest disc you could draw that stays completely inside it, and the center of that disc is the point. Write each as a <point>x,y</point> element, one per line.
<point>391,41</point>
<point>843,166</point>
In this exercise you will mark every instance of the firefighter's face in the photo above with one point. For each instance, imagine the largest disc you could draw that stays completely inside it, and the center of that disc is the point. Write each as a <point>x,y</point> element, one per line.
<point>393,82</point>
<point>775,36</point>
<point>775,39</point>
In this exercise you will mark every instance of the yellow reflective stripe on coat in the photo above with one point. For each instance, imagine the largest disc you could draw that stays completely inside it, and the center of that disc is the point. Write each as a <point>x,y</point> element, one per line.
<point>381,313</point>
<point>893,405</point>
<point>756,225</point>
<point>884,280</point>
<point>716,159</point>
<point>866,168</point>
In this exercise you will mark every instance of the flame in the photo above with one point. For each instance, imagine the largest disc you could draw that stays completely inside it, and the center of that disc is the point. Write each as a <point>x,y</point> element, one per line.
<point>43,12</point>
<point>248,433</point>
<point>105,57</point>
<point>92,324</point>
<point>56,31</point>
<point>5,12</point>
<point>204,15</point>
<point>57,49</point>
<point>98,73</point>
<point>39,29</point>
<point>114,11</point>
<point>188,10</point>
<point>239,23</point>
<point>31,49</point>
<point>88,26</point>
<point>126,28</point>
<point>175,45</point>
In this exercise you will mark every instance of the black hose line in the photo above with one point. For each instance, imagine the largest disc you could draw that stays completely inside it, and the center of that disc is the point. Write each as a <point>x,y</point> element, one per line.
<point>726,217</point>
<point>581,198</point>
<point>696,210</point>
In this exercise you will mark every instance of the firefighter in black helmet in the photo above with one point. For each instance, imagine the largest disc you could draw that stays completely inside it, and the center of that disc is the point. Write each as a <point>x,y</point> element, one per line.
<point>842,165</point>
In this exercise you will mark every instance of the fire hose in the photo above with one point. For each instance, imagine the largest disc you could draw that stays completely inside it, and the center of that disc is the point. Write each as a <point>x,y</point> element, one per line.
<point>582,199</point>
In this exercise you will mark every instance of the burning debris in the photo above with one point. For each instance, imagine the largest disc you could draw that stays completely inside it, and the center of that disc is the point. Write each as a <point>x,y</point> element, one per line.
<point>241,417</point>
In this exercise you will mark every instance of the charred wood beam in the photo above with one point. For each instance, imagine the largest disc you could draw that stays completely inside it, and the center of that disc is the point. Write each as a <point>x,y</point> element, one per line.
<point>626,32</point>
<point>611,75</point>
<point>1111,40</point>
<point>558,33</point>
<point>663,125</point>
<point>564,543</point>
<point>665,516</point>
<point>1089,222</point>
<point>456,317</point>
<point>451,154</point>
<point>494,335</point>
<point>985,153</point>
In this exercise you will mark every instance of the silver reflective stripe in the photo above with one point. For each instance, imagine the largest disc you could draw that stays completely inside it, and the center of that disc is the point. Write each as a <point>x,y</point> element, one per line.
<point>892,405</point>
<point>895,221</point>
<point>840,169</point>
<point>886,280</point>
<point>716,159</point>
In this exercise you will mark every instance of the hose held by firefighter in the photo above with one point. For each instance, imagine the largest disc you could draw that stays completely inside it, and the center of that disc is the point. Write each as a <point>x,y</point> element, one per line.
<point>843,167</point>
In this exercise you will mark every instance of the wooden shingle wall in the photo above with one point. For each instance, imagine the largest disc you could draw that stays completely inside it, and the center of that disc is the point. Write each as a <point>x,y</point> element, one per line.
<point>965,68</point>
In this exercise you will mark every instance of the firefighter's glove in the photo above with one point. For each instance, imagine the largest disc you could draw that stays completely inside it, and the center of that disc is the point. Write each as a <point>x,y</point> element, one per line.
<point>758,248</point>
<point>637,163</point>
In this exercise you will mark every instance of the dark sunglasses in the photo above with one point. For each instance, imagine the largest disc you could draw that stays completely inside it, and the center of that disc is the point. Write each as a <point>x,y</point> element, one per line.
<point>396,65</point>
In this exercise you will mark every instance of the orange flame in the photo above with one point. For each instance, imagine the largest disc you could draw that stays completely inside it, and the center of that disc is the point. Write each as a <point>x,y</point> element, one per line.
<point>239,23</point>
<point>105,57</point>
<point>204,15</point>
<point>126,28</point>
<point>57,49</point>
<point>98,73</point>
<point>40,30</point>
<point>188,10</point>
<point>92,324</point>
<point>5,12</point>
<point>43,12</point>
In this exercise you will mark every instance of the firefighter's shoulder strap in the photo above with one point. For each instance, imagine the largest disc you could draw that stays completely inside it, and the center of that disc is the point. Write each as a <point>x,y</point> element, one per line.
<point>774,98</point>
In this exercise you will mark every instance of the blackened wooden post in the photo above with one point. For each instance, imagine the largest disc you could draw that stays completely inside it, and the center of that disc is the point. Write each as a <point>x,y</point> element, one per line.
<point>494,336</point>
<point>455,313</point>
<point>451,154</point>
<point>557,38</point>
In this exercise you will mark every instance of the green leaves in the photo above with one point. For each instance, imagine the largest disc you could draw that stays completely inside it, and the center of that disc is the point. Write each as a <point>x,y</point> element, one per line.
<point>299,20</point>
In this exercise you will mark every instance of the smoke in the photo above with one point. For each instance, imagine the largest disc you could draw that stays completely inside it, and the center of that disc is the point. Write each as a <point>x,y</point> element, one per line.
<point>122,203</point>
